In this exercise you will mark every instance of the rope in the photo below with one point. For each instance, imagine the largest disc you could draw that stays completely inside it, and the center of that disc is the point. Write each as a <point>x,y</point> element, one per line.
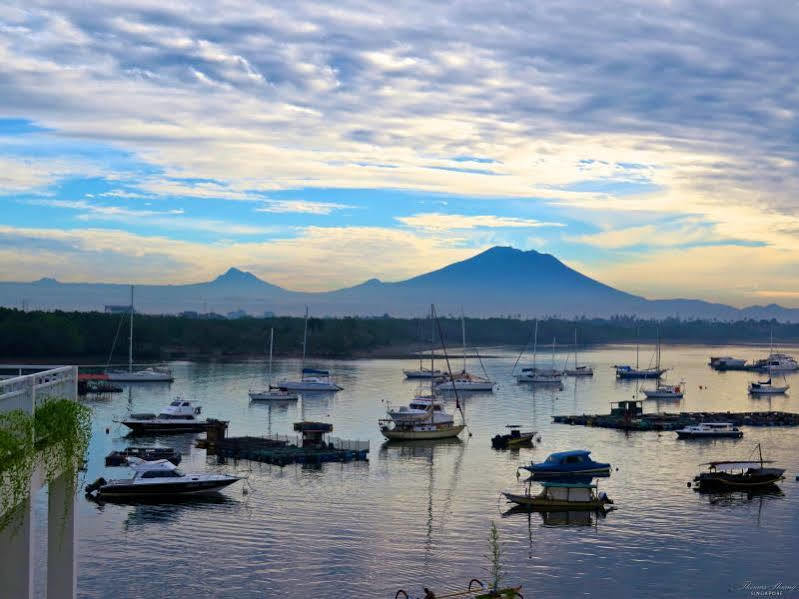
<point>114,344</point>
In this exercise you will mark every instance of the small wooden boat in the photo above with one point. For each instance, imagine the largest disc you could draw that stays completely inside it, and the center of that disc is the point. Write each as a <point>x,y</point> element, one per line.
<point>561,496</point>
<point>733,474</point>
<point>515,438</point>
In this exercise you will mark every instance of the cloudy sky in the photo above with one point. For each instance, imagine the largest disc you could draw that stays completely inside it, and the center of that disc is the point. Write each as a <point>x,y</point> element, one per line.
<point>651,145</point>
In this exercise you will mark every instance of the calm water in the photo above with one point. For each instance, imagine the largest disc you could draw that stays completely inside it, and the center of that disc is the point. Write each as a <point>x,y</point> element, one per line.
<point>420,513</point>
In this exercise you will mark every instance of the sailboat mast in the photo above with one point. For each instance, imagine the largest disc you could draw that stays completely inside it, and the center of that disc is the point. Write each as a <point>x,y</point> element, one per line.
<point>432,350</point>
<point>657,357</point>
<point>553,353</point>
<point>575,349</point>
<point>463,335</point>
<point>535,343</point>
<point>304,340</point>
<point>271,342</point>
<point>637,343</point>
<point>130,335</point>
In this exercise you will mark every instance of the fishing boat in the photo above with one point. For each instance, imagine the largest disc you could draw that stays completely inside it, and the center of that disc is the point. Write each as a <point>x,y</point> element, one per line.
<point>710,430</point>
<point>145,375</point>
<point>159,478</point>
<point>536,375</point>
<point>566,463</point>
<point>578,370</point>
<point>180,416</point>
<point>627,372</point>
<point>515,438</point>
<point>561,496</point>
<point>464,381</point>
<point>271,392</point>
<point>767,387</point>
<point>311,379</point>
<point>743,474</point>
<point>665,391</point>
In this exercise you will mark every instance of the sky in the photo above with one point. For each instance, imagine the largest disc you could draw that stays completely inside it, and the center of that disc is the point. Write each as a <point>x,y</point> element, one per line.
<point>650,145</point>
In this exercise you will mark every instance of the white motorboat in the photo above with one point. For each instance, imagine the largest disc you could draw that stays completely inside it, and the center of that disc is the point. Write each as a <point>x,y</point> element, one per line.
<point>777,362</point>
<point>179,416</point>
<point>581,370</point>
<point>419,410</point>
<point>159,478</point>
<point>727,363</point>
<point>146,375</point>
<point>710,430</point>
<point>311,379</point>
<point>767,387</point>
<point>539,376</point>
<point>664,391</point>
<point>272,393</point>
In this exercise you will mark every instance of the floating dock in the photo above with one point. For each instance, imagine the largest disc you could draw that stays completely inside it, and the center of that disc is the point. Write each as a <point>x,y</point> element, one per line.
<point>628,415</point>
<point>312,450</point>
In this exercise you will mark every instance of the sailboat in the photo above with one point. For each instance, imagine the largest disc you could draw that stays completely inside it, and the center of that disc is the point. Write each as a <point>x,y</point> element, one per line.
<point>272,393</point>
<point>767,387</point>
<point>425,373</point>
<point>776,362</point>
<point>425,417</point>
<point>464,381</point>
<point>628,372</point>
<point>540,376</point>
<point>578,370</point>
<point>145,375</point>
<point>311,379</point>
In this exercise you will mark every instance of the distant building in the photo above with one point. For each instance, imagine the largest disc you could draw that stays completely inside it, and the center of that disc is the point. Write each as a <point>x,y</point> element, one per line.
<point>236,314</point>
<point>269,314</point>
<point>189,314</point>
<point>117,309</point>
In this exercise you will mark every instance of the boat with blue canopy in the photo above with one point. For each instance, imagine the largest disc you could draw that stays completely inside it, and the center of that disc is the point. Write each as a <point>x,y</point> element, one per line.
<point>564,463</point>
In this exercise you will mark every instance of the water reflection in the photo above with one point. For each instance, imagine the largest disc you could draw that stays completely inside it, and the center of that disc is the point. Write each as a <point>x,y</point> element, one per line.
<point>145,511</point>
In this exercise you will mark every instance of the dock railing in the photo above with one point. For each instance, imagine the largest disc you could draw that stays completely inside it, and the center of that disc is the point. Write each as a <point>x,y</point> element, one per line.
<point>348,444</point>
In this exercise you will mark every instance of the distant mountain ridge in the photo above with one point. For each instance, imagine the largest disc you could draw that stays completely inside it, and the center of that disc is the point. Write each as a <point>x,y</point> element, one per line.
<point>496,282</point>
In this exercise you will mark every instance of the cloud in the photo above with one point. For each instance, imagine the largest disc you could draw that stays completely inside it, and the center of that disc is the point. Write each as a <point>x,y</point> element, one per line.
<point>437,221</point>
<point>300,206</point>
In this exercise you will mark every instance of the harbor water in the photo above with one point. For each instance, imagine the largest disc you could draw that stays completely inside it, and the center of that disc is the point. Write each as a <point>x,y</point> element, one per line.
<point>418,514</point>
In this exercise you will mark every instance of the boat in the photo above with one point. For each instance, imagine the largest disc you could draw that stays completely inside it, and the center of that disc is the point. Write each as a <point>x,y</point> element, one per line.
<point>180,416</point>
<point>566,463</point>
<point>149,454</point>
<point>578,370</point>
<point>515,438</point>
<point>536,375</point>
<point>463,381</point>
<point>556,496</point>
<point>627,372</point>
<point>710,430</point>
<point>767,388</point>
<point>727,363</point>
<point>158,478</point>
<point>737,475</point>
<point>311,379</point>
<point>271,392</point>
<point>146,375</point>
<point>776,362</point>
<point>664,391</point>
<point>424,417</point>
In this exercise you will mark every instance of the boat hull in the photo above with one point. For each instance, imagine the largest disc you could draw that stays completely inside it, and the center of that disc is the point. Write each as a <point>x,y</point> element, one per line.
<point>768,391</point>
<point>580,372</point>
<point>272,396</point>
<point>133,377</point>
<point>662,395</point>
<point>466,387</point>
<point>597,469</point>
<point>421,374</point>
<point>541,503</point>
<point>145,427</point>
<point>710,435</point>
<point>407,435</point>
<point>308,386</point>
<point>639,374</point>
<point>164,489</point>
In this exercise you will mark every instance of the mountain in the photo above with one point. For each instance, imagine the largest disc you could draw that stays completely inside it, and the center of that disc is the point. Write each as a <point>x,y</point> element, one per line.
<point>498,281</point>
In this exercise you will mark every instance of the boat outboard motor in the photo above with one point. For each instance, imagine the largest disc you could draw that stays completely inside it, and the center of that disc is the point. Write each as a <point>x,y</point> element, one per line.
<point>95,485</point>
<point>603,497</point>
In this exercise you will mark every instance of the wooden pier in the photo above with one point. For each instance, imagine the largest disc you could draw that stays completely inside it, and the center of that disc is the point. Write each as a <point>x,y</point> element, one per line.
<point>629,416</point>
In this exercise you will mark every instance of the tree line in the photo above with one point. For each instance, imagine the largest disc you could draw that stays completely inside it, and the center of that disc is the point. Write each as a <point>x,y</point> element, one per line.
<point>93,334</point>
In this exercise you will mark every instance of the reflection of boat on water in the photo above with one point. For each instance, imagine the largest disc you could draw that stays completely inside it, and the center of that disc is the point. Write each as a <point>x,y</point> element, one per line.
<point>558,496</point>
<point>575,517</point>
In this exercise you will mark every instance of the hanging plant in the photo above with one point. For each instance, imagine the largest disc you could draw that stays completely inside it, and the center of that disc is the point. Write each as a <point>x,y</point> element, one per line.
<point>57,434</point>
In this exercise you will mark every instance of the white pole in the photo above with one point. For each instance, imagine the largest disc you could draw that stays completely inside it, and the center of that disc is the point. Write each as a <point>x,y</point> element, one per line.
<point>535,343</point>
<point>463,334</point>
<point>271,341</point>
<point>304,341</point>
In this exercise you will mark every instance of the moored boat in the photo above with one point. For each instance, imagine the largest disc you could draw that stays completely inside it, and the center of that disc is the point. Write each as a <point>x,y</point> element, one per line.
<point>767,387</point>
<point>311,379</point>
<point>180,416</point>
<point>565,463</point>
<point>664,391</point>
<point>515,438</point>
<point>710,430</point>
<point>159,478</point>
<point>734,475</point>
<point>556,496</point>
<point>271,392</point>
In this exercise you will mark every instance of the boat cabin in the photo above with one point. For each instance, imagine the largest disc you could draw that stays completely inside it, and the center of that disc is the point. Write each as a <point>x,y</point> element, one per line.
<point>631,408</point>
<point>180,409</point>
<point>577,456</point>
<point>569,493</point>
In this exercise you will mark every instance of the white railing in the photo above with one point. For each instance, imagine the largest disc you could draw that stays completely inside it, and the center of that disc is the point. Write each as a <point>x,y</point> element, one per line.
<point>30,390</point>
